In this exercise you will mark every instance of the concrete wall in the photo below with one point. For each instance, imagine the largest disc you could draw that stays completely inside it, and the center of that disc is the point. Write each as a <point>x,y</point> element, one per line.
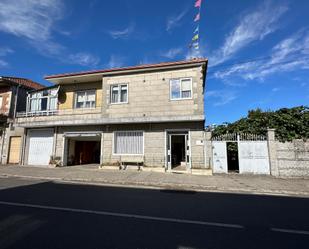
<point>149,94</point>
<point>154,141</point>
<point>289,159</point>
<point>66,97</point>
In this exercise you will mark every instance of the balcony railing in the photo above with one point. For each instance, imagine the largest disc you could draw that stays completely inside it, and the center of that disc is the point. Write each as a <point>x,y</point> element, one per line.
<point>58,112</point>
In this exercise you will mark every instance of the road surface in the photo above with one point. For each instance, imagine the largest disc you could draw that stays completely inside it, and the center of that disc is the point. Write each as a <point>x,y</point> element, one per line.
<point>41,214</point>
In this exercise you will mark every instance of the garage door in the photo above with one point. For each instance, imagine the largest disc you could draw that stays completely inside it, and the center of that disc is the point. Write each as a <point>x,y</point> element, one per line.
<point>14,149</point>
<point>40,146</point>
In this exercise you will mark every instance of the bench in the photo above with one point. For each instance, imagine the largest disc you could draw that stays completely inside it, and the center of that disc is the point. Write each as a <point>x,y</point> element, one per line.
<point>131,160</point>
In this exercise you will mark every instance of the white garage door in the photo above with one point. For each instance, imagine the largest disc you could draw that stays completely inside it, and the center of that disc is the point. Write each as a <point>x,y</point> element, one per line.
<point>40,146</point>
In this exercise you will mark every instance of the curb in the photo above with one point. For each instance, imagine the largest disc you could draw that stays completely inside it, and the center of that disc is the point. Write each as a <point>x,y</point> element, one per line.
<point>158,185</point>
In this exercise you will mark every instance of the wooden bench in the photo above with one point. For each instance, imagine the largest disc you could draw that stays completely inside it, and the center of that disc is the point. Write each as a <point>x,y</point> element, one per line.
<point>131,160</point>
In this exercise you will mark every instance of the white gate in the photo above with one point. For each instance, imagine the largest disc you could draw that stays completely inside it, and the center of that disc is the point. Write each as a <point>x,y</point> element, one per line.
<point>252,153</point>
<point>253,157</point>
<point>219,157</point>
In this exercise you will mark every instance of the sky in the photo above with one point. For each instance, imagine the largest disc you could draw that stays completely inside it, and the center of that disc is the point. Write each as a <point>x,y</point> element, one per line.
<point>258,50</point>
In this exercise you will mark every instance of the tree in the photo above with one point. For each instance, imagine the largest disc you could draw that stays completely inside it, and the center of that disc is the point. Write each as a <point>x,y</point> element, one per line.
<point>290,123</point>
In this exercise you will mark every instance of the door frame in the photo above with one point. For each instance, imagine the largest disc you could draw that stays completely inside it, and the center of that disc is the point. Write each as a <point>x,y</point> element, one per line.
<point>9,150</point>
<point>27,145</point>
<point>167,147</point>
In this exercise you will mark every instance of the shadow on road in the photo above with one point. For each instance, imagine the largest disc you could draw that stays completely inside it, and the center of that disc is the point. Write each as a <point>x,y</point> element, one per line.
<point>54,215</point>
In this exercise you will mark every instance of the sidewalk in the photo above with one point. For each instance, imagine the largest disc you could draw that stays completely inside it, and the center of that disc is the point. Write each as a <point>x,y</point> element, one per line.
<point>217,183</point>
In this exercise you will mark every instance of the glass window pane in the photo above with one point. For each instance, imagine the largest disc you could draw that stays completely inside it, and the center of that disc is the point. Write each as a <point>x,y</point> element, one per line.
<point>53,103</point>
<point>186,85</point>
<point>124,93</point>
<point>186,94</point>
<point>81,97</point>
<point>114,94</point>
<point>175,89</point>
<point>130,142</point>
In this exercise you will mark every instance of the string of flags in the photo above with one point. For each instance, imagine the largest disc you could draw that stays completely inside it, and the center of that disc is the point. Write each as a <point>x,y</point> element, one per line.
<point>195,43</point>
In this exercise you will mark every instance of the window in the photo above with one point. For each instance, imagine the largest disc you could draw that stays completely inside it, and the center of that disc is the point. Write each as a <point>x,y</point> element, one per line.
<point>85,99</point>
<point>129,142</point>
<point>45,100</point>
<point>1,102</point>
<point>119,94</point>
<point>181,88</point>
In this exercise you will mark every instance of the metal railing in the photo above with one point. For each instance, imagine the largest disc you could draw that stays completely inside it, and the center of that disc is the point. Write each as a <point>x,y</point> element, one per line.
<point>36,113</point>
<point>239,137</point>
<point>58,112</point>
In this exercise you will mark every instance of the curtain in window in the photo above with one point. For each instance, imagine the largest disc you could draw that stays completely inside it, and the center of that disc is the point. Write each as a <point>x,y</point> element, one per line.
<point>114,97</point>
<point>128,142</point>
<point>53,103</point>
<point>123,93</point>
<point>175,89</point>
<point>186,88</point>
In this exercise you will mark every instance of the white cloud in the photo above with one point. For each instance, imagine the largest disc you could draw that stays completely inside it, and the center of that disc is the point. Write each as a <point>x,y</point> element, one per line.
<point>172,53</point>
<point>122,34</point>
<point>115,61</point>
<point>5,51</point>
<point>288,55</point>
<point>275,89</point>
<point>34,21</point>
<point>84,59</point>
<point>253,26</point>
<point>3,63</point>
<point>222,97</point>
<point>175,20</point>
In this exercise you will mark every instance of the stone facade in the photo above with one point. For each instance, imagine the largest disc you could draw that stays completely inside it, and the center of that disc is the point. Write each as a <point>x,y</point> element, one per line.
<point>149,94</point>
<point>154,141</point>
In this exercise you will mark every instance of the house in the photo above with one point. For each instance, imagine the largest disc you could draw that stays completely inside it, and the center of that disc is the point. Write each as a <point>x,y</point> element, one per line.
<point>147,114</point>
<point>13,92</point>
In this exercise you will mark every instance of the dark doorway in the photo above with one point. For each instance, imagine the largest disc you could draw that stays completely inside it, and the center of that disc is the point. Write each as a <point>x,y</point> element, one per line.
<point>178,150</point>
<point>84,152</point>
<point>232,157</point>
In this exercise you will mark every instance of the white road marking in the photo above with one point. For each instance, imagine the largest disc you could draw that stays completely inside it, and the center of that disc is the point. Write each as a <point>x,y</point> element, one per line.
<point>124,215</point>
<point>282,230</point>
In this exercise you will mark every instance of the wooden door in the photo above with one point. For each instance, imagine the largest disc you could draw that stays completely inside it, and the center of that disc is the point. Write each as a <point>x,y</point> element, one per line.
<point>14,150</point>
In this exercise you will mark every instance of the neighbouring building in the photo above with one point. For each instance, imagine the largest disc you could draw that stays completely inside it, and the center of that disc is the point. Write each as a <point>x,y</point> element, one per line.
<point>13,93</point>
<point>150,114</point>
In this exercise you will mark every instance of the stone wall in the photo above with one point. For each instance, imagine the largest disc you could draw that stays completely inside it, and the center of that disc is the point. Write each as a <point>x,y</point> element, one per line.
<point>154,141</point>
<point>289,159</point>
<point>149,94</point>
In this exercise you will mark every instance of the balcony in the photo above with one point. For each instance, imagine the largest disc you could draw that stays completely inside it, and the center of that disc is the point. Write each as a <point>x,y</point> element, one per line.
<point>58,117</point>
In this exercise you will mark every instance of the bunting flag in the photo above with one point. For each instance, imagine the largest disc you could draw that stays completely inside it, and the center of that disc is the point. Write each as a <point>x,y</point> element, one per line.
<point>195,37</point>
<point>196,34</point>
<point>197,18</point>
<point>198,4</point>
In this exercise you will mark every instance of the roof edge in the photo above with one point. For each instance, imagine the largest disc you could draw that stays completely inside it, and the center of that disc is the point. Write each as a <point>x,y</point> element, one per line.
<point>128,69</point>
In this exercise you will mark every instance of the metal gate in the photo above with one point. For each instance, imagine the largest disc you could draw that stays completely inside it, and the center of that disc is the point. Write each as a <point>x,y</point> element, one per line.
<point>252,153</point>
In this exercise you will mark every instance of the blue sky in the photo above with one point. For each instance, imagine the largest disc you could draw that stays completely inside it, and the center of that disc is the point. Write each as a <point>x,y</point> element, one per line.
<point>258,50</point>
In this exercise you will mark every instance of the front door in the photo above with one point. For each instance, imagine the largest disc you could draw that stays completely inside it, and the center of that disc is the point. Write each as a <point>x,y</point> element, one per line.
<point>178,151</point>
<point>14,150</point>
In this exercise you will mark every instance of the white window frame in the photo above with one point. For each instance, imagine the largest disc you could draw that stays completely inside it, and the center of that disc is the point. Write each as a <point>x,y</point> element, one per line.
<point>85,91</point>
<point>49,96</point>
<point>121,154</point>
<point>119,93</point>
<point>181,98</point>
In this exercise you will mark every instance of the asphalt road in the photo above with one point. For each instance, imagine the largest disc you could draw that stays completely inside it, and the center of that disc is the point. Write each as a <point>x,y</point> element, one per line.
<point>40,214</point>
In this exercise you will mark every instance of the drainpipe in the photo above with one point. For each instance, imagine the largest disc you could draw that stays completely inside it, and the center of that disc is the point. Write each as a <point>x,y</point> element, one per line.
<point>2,145</point>
<point>15,102</point>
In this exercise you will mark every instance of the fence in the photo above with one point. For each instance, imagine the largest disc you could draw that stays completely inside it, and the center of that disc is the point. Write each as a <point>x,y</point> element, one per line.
<point>250,155</point>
